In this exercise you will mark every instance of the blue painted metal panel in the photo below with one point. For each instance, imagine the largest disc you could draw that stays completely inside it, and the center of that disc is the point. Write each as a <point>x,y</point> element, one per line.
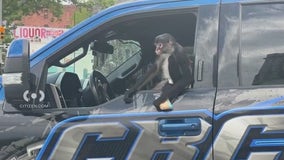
<point>256,143</point>
<point>16,48</point>
<point>250,1</point>
<point>267,142</point>
<point>1,90</point>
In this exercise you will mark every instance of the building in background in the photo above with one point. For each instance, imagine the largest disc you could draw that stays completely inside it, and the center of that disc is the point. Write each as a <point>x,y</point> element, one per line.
<point>38,36</point>
<point>42,27</point>
<point>45,18</point>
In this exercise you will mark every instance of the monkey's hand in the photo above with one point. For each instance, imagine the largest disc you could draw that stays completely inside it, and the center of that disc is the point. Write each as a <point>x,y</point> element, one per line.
<point>163,105</point>
<point>128,96</point>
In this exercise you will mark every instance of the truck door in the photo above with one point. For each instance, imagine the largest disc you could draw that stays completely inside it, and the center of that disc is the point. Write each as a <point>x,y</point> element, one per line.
<point>184,133</point>
<point>249,112</point>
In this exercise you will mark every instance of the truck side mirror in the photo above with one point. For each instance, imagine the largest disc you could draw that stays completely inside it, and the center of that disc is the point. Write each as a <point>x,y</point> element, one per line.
<point>16,78</point>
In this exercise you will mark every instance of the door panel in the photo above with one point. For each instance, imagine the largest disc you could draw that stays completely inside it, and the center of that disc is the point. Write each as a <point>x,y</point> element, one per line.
<point>131,136</point>
<point>249,110</point>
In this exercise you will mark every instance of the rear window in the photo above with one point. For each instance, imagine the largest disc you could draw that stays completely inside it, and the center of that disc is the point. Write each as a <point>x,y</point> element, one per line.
<point>262,45</point>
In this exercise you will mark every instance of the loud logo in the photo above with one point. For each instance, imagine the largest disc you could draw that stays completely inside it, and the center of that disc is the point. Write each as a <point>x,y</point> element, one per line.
<point>243,137</point>
<point>30,96</point>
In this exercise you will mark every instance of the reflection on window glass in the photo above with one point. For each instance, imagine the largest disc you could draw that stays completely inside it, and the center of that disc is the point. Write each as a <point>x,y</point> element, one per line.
<point>105,63</point>
<point>123,50</point>
<point>262,48</point>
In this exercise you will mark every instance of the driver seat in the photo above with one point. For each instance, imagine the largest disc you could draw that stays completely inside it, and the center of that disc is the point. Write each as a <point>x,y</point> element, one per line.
<point>70,86</point>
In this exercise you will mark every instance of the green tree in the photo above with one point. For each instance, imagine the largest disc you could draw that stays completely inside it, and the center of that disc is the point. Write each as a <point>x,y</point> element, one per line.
<point>84,10</point>
<point>102,4</point>
<point>88,8</point>
<point>15,9</point>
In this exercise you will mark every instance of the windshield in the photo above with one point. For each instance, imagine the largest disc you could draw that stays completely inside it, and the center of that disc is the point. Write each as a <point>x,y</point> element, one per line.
<point>122,51</point>
<point>105,63</point>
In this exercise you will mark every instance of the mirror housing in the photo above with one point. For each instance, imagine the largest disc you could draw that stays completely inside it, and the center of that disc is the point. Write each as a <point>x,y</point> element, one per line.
<point>17,78</point>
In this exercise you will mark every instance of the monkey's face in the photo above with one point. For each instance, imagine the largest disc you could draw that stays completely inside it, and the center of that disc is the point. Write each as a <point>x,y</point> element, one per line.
<point>164,48</point>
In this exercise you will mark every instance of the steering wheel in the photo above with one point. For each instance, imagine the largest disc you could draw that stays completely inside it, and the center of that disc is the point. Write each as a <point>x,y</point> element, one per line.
<point>100,87</point>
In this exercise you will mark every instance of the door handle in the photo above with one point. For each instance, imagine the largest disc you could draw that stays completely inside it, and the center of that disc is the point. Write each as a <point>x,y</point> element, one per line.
<point>180,127</point>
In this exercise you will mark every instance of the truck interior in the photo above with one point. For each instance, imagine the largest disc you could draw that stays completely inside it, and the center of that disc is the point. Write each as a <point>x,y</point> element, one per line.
<point>104,63</point>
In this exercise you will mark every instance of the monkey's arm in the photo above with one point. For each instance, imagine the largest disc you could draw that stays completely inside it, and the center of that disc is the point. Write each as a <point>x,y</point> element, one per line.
<point>179,86</point>
<point>150,74</point>
<point>147,77</point>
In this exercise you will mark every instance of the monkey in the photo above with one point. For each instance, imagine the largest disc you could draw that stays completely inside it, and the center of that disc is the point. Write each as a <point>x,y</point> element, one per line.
<point>175,67</point>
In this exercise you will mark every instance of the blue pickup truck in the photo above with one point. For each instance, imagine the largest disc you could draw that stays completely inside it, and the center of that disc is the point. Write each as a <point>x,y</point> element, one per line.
<point>65,101</point>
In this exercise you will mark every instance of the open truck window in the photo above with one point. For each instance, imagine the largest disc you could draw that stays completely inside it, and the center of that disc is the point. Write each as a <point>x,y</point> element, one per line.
<point>118,54</point>
<point>100,65</point>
